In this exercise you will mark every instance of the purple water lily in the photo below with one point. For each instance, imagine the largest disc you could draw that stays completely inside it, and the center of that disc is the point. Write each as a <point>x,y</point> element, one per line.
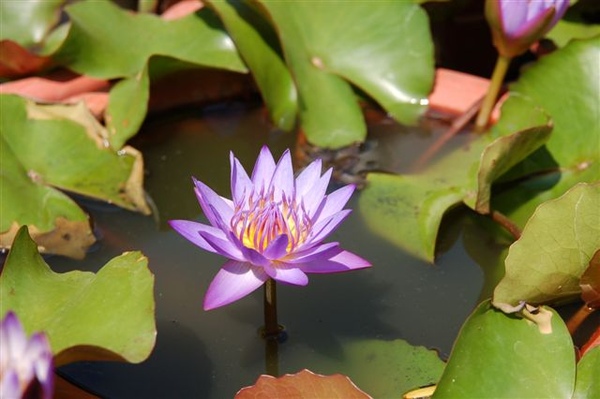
<point>516,24</point>
<point>272,228</point>
<point>26,365</point>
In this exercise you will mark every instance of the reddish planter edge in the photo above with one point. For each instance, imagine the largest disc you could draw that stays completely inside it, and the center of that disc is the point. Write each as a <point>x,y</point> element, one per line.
<point>454,92</point>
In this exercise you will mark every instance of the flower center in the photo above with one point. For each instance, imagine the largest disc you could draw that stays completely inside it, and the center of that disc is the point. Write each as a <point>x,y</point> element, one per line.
<point>259,219</point>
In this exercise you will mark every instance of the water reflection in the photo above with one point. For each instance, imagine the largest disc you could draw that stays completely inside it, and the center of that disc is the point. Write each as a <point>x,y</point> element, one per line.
<point>213,354</point>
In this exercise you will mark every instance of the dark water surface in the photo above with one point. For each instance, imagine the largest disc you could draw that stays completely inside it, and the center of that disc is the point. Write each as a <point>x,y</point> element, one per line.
<point>213,354</point>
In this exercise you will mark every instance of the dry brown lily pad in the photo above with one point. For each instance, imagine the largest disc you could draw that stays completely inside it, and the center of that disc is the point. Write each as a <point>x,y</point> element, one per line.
<point>302,385</point>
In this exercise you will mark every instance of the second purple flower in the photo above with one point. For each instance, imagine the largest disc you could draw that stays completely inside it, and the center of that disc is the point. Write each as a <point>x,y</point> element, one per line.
<point>273,227</point>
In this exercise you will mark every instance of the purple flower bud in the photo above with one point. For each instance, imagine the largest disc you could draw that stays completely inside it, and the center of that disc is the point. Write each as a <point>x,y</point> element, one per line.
<point>517,24</point>
<point>26,365</point>
<point>273,227</point>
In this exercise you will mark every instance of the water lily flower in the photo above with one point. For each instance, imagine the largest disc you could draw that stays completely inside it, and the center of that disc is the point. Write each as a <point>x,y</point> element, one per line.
<point>26,365</point>
<point>517,24</point>
<point>273,227</point>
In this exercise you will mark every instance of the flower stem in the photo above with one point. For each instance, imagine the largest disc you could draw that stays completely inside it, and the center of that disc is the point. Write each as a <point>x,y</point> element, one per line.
<point>578,318</point>
<point>272,328</point>
<point>272,357</point>
<point>492,93</point>
<point>508,224</point>
<point>272,332</point>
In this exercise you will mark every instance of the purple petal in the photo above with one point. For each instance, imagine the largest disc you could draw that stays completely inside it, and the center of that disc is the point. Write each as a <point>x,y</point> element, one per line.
<point>342,262</point>
<point>263,169</point>
<point>234,281</point>
<point>277,248</point>
<point>286,274</point>
<point>191,231</point>
<point>533,26</point>
<point>334,203</point>
<point>241,185</point>
<point>313,198</point>
<point>39,351</point>
<point>323,251</point>
<point>561,9</point>
<point>222,246</point>
<point>13,332</point>
<point>513,14</point>
<point>283,177</point>
<point>213,205</point>
<point>254,257</point>
<point>10,387</point>
<point>307,178</point>
<point>326,226</point>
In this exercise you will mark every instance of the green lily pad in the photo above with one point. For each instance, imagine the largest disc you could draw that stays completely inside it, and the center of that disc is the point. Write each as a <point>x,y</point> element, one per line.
<point>503,356</point>
<point>104,316</point>
<point>383,48</point>
<point>555,249</point>
<point>58,225</point>
<point>29,22</point>
<point>127,107</point>
<point>566,85</point>
<point>587,385</point>
<point>46,147</point>
<point>407,210</point>
<point>107,42</point>
<point>257,43</point>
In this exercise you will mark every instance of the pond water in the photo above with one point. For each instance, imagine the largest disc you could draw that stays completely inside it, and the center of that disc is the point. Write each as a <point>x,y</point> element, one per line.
<point>213,354</point>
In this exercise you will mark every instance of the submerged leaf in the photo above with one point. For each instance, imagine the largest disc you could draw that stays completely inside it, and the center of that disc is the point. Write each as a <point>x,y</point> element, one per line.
<point>387,54</point>
<point>503,356</point>
<point>104,316</point>
<point>557,244</point>
<point>386,369</point>
<point>303,385</point>
<point>407,210</point>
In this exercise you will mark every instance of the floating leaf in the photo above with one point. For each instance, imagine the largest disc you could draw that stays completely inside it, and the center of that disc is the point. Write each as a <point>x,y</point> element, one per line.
<point>60,146</point>
<point>105,41</point>
<point>566,85</point>
<point>108,42</point>
<point>57,224</point>
<point>387,53</point>
<point>257,44</point>
<point>407,210</point>
<point>127,106</point>
<point>303,385</point>
<point>503,356</point>
<point>555,248</point>
<point>108,315</point>
<point>587,385</point>
<point>29,22</point>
